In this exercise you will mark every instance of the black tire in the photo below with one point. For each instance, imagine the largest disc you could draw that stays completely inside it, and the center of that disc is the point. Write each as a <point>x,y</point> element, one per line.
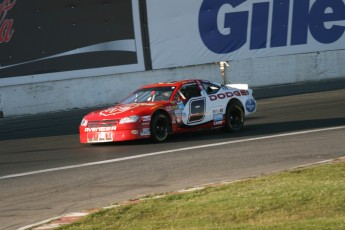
<point>159,127</point>
<point>234,117</point>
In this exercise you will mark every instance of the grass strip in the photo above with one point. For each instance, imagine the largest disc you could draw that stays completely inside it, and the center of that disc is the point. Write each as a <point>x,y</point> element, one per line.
<point>309,198</point>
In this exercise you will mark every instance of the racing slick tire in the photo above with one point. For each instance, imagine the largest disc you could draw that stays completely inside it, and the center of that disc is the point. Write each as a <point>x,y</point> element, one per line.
<point>234,117</point>
<point>159,127</point>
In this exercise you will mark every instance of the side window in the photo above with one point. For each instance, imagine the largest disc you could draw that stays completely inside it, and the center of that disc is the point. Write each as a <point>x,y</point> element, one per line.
<point>192,91</point>
<point>181,96</point>
<point>187,92</point>
<point>210,88</point>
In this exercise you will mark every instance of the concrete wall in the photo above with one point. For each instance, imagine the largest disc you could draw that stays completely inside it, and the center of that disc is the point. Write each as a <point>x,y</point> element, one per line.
<point>102,90</point>
<point>87,92</point>
<point>288,69</point>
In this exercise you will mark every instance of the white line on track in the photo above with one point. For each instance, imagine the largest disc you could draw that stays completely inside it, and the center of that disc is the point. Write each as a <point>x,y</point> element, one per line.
<point>166,151</point>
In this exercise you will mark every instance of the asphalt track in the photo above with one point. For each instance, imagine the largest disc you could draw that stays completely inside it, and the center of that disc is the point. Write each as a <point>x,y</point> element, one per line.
<point>45,172</point>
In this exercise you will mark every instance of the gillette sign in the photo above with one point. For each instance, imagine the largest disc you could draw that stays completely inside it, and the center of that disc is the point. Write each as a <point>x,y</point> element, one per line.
<point>226,26</point>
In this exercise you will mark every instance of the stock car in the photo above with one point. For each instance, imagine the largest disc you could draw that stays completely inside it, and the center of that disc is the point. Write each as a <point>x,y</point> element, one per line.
<point>155,111</point>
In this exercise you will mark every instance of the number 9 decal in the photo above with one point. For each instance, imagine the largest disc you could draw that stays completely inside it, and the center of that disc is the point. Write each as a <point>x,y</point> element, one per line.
<point>197,110</point>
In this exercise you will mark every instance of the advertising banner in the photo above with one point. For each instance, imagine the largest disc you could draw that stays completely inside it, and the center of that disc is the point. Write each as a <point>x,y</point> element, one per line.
<point>204,31</point>
<point>69,37</point>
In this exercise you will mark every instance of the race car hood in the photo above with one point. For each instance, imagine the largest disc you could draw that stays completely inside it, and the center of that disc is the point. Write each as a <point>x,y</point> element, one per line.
<point>125,110</point>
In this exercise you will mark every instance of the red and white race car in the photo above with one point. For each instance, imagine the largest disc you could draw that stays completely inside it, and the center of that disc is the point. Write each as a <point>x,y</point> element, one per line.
<point>157,110</point>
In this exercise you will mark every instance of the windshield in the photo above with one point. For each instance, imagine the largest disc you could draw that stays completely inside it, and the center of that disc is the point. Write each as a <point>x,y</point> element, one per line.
<point>150,95</point>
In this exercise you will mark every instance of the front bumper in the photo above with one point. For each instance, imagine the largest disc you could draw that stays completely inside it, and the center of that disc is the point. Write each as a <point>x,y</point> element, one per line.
<point>113,135</point>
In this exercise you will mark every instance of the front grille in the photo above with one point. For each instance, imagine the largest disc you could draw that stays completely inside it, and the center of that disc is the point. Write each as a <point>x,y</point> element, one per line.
<point>102,123</point>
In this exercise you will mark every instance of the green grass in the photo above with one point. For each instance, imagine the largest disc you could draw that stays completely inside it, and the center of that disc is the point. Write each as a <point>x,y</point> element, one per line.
<point>311,198</point>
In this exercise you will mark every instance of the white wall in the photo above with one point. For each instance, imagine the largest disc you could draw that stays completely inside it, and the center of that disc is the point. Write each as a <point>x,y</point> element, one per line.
<point>87,92</point>
<point>101,90</point>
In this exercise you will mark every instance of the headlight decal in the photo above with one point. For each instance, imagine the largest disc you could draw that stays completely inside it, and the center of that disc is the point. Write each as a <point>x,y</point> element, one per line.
<point>84,122</point>
<point>130,119</point>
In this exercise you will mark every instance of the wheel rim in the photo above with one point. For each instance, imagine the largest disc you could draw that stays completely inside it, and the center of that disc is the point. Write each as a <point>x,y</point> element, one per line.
<point>236,118</point>
<point>161,128</point>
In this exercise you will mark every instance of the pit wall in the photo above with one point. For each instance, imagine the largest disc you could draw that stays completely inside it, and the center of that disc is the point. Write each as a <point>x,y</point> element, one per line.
<point>53,96</point>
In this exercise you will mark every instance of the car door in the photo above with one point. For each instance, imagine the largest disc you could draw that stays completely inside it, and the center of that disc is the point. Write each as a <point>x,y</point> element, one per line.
<point>195,108</point>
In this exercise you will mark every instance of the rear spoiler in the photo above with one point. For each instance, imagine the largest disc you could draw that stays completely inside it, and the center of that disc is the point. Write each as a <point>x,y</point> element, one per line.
<point>238,86</point>
<point>241,87</point>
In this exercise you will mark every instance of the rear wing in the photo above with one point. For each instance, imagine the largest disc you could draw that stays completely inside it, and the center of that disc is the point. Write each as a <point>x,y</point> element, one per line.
<point>238,86</point>
<point>241,87</point>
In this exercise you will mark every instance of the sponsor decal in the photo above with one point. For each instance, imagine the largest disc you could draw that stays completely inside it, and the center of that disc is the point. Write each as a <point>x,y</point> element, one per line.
<point>215,111</point>
<point>229,95</point>
<point>172,112</point>
<point>100,129</point>
<point>218,117</point>
<point>178,113</point>
<point>145,132</point>
<point>171,107</point>
<point>6,31</point>
<point>100,137</point>
<point>146,118</point>
<point>250,105</point>
<point>217,122</point>
<point>180,105</point>
<point>226,26</point>
<point>116,110</point>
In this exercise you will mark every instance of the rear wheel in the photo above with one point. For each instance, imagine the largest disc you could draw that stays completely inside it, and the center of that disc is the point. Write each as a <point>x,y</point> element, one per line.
<point>159,127</point>
<point>234,117</point>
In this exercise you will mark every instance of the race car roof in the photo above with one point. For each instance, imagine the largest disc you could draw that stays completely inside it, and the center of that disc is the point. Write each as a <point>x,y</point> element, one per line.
<point>173,83</point>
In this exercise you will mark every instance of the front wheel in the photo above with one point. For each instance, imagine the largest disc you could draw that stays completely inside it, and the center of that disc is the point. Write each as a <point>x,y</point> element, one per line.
<point>159,127</point>
<point>234,117</point>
